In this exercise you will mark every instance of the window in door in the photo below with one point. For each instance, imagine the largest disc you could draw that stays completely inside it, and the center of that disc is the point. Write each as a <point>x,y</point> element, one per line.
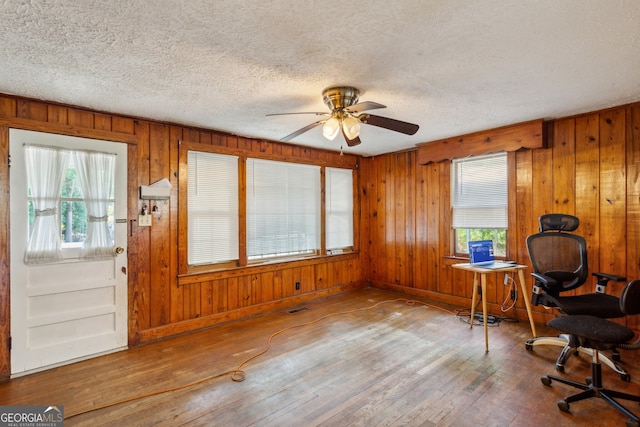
<point>71,204</point>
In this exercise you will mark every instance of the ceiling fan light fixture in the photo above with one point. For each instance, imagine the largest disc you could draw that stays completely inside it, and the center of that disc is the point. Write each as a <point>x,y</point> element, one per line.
<point>351,127</point>
<point>330,128</point>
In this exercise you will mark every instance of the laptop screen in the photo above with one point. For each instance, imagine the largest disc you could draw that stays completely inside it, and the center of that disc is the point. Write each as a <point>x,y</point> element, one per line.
<point>481,252</point>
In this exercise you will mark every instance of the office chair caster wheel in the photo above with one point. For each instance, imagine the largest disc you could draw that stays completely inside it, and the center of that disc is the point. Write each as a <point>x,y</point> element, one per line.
<point>559,368</point>
<point>563,405</point>
<point>546,380</point>
<point>633,423</point>
<point>626,378</point>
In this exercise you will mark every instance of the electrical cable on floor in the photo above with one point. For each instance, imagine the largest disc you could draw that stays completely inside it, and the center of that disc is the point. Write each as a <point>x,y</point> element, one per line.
<point>238,374</point>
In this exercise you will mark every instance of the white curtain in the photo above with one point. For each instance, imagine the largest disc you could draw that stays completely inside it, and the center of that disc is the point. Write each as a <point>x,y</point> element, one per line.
<point>96,174</point>
<point>46,169</point>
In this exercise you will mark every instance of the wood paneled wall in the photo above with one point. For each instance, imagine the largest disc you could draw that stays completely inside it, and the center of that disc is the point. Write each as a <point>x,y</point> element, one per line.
<point>590,169</point>
<point>161,302</point>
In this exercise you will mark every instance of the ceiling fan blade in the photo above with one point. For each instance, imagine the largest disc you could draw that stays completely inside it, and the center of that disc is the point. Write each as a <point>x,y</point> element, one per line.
<point>350,142</point>
<point>391,124</point>
<point>301,131</point>
<point>364,106</point>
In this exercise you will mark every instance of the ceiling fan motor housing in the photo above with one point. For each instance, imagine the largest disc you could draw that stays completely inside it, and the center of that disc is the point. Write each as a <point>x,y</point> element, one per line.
<point>340,97</point>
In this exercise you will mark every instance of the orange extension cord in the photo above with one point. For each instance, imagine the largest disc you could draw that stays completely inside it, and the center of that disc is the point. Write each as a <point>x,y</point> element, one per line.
<point>238,374</point>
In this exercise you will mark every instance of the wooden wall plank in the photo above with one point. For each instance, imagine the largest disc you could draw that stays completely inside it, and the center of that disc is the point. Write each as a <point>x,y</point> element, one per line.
<point>612,194</point>
<point>102,121</point>
<point>57,114</point>
<point>5,257</point>
<point>176,295</point>
<point>526,220</point>
<point>421,223</point>
<point>445,233</point>
<point>378,267</point>
<point>563,152</point>
<point>8,107</point>
<point>410,219</point>
<point>142,295</point>
<point>34,110</point>
<point>431,257</point>
<point>399,217</point>
<point>206,298</point>
<point>390,219</point>
<point>633,191</point>
<point>80,118</point>
<point>159,233</point>
<point>588,184</point>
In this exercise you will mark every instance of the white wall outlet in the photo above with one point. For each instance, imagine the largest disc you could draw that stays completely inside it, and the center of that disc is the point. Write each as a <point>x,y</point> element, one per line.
<point>144,220</point>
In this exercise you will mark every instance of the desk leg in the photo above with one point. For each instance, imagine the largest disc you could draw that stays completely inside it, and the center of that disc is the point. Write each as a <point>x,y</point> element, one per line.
<point>527,303</point>
<point>483,281</point>
<point>474,298</point>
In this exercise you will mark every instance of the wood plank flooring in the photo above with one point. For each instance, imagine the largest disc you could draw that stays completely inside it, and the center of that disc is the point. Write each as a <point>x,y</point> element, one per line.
<point>391,365</point>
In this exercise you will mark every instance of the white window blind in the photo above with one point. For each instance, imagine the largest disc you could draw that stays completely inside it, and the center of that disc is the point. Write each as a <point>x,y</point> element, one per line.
<point>212,206</point>
<point>283,209</point>
<point>339,208</point>
<point>479,192</point>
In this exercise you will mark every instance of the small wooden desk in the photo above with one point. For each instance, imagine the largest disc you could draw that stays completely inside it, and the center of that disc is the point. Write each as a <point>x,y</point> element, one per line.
<point>478,271</point>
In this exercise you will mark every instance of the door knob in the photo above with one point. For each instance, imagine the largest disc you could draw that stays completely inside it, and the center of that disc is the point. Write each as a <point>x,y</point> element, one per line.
<point>119,250</point>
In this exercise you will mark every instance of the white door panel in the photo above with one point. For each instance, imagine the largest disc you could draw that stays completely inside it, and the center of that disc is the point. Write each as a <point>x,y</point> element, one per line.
<point>74,309</point>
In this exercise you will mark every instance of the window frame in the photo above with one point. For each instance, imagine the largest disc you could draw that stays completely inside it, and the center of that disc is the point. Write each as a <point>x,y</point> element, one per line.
<point>266,257</point>
<point>184,269</point>
<point>508,199</point>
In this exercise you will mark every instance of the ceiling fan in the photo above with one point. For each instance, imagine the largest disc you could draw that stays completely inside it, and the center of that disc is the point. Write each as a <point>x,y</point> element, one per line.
<point>346,115</point>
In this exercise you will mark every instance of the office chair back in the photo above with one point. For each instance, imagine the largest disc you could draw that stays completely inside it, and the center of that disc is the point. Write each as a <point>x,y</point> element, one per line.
<point>630,298</point>
<point>558,254</point>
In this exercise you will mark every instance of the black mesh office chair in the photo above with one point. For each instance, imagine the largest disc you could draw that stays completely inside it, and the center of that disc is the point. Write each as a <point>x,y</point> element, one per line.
<point>559,260</point>
<point>600,334</point>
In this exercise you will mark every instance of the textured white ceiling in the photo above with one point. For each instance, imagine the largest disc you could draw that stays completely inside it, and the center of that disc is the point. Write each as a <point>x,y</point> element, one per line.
<point>451,66</point>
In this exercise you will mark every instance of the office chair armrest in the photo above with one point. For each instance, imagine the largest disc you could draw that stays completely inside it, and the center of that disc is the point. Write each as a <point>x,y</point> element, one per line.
<point>541,282</point>
<point>603,280</point>
<point>544,280</point>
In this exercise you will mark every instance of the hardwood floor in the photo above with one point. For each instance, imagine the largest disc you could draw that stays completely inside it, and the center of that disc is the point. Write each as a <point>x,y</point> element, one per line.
<point>394,364</point>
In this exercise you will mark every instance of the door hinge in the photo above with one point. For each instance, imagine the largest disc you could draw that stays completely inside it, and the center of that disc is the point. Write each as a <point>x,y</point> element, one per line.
<point>9,160</point>
<point>9,344</point>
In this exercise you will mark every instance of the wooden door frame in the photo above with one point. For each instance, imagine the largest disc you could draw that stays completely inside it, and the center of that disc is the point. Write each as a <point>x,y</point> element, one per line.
<point>5,256</point>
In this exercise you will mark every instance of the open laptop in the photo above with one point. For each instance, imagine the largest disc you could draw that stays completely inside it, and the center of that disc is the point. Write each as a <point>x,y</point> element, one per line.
<point>481,255</point>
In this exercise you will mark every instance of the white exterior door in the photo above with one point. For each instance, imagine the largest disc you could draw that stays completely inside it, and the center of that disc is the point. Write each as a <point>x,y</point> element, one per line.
<point>73,309</point>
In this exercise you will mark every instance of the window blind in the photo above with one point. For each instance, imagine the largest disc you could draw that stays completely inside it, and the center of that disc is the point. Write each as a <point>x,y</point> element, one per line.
<point>212,208</point>
<point>339,208</point>
<point>479,192</point>
<point>283,208</point>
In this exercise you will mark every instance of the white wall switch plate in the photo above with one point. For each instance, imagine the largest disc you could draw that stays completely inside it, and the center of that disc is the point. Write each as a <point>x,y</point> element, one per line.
<point>144,220</point>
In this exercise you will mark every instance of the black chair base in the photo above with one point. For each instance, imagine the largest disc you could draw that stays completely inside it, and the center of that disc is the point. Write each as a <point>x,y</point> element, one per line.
<point>570,347</point>
<point>593,388</point>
